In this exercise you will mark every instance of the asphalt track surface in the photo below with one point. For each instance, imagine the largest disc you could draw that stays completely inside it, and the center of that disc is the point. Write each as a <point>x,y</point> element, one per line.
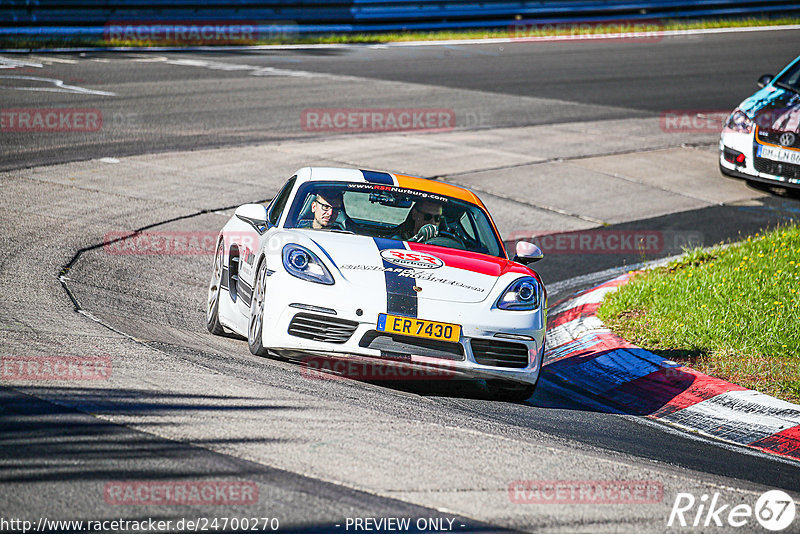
<point>60,444</point>
<point>223,100</point>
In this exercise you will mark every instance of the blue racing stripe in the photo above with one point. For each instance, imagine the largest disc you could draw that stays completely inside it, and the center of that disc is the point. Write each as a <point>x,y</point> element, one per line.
<point>378,177</point>
<point>401,299</point>
<point>326,254</point>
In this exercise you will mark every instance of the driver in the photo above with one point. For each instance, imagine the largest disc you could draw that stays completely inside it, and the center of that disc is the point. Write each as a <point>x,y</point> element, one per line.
<point>325,207</point>
<point>422,222</point>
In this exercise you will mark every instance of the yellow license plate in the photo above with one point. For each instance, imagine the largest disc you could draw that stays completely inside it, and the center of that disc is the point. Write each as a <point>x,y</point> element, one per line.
<point>419,328</point>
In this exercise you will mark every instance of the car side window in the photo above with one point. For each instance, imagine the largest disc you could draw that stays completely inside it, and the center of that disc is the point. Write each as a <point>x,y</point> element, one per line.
<point>280,201</point>
<point>467,226</point>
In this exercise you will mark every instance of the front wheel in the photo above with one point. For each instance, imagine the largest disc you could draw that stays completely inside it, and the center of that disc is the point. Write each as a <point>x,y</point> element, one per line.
<point>214,293</point>
<point>255,327</point>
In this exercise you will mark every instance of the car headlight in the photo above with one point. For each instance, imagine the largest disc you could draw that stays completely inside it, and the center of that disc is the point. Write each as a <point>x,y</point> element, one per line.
<point>740,122</point>
<point>523,294</point>
<point>302,263</point>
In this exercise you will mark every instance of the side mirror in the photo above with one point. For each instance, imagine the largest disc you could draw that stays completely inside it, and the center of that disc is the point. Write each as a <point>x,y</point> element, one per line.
<point>255,215</point>
<point>765,79</point>
<point>528,253</point>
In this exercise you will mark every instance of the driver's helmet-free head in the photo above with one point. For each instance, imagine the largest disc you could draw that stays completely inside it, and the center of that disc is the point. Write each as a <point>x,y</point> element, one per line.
<point>327,208</point>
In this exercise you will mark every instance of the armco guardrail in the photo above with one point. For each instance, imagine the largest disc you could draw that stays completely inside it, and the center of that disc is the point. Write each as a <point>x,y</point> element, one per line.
<point>88,17</point>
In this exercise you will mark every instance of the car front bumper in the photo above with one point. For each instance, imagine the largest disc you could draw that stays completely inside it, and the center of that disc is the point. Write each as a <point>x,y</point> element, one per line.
<point>743,143</point>
<point>337,322</point>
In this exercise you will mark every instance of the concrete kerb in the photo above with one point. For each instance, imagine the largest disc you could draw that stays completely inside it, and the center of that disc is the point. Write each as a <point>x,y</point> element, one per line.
<point>582,353</point>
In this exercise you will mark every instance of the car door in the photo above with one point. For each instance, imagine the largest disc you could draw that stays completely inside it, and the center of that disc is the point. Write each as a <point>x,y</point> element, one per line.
<point>248,252</point>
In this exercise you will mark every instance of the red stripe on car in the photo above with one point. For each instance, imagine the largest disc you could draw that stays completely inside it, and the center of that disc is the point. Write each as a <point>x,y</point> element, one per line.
<point>472,261</point>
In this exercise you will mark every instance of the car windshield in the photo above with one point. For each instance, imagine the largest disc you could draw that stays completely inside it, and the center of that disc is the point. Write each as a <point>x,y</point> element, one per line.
<point>391,212</point>
<point>790,79</point>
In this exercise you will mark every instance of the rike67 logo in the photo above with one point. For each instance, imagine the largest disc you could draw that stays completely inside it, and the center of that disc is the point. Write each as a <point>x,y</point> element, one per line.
<point>774,510</point>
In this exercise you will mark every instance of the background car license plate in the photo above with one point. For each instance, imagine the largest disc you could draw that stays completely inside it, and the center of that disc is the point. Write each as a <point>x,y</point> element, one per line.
<point>419,328</point>
<point>779,154</point>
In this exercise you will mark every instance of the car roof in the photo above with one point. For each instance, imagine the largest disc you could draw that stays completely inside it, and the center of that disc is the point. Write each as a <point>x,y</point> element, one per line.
<point>379,177</point>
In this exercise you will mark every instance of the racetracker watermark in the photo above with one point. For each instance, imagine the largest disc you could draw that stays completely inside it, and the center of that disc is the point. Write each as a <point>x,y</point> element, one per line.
<point>693,120</point>
<point>51,120</point>
<point>642,30</point>
<point>350,120</point>
<point>175,243</point>
<point>641,242</point>
<point>56,368</point>
<point>180,493</point>
<point>200,33</point>
<point>317,368</point>
<point>585,492</point>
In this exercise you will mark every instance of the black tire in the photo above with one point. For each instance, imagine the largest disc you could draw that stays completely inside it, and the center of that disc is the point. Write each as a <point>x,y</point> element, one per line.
<point>505,390</point>
<point>255,325</point>
<point>214,293</point>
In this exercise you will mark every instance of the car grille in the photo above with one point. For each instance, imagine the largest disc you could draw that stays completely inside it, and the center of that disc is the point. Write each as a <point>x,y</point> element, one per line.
<point>499,353</point>
<point>393,345</point>
<point>777,168</point>
<point>322,328</point>
<point>773,137</point>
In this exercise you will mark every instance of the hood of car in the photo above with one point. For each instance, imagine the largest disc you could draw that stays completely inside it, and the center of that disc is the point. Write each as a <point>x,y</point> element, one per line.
<point>412,270</point>
<point>774,109</point>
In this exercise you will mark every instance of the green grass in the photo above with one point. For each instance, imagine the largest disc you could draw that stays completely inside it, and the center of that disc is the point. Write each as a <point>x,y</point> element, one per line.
<point>375,38</point>
<point>729,312</point>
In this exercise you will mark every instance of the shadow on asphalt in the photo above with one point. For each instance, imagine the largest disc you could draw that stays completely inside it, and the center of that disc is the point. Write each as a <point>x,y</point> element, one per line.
<point>75,461</point>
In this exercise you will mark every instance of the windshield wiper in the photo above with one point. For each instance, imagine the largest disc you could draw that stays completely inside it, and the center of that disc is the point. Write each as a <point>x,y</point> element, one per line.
<point>788,87</point>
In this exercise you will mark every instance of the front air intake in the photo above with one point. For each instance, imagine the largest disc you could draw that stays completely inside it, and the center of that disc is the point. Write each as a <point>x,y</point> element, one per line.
<point>322,328</point>
<point>499,353</point>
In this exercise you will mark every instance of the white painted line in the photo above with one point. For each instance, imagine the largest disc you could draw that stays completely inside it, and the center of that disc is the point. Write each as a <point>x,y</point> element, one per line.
<point>58,86</point>
<point>8,63</point>
<point>211,65</point>
<point>254,70</point>
<point>272,71</point>
<point>50,59</point>
<point>738,416</point>
<point>147,58</point>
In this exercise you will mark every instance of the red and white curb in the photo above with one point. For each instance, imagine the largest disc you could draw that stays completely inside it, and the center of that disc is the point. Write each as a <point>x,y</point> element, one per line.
<point>583,353</point>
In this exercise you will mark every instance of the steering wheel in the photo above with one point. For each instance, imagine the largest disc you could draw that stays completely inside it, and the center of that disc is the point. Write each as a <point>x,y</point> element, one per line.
<point>447,239</point>
<point>453,236</point>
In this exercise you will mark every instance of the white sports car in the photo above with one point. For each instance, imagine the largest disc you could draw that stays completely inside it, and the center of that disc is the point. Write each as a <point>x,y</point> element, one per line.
<point>378,267</point>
